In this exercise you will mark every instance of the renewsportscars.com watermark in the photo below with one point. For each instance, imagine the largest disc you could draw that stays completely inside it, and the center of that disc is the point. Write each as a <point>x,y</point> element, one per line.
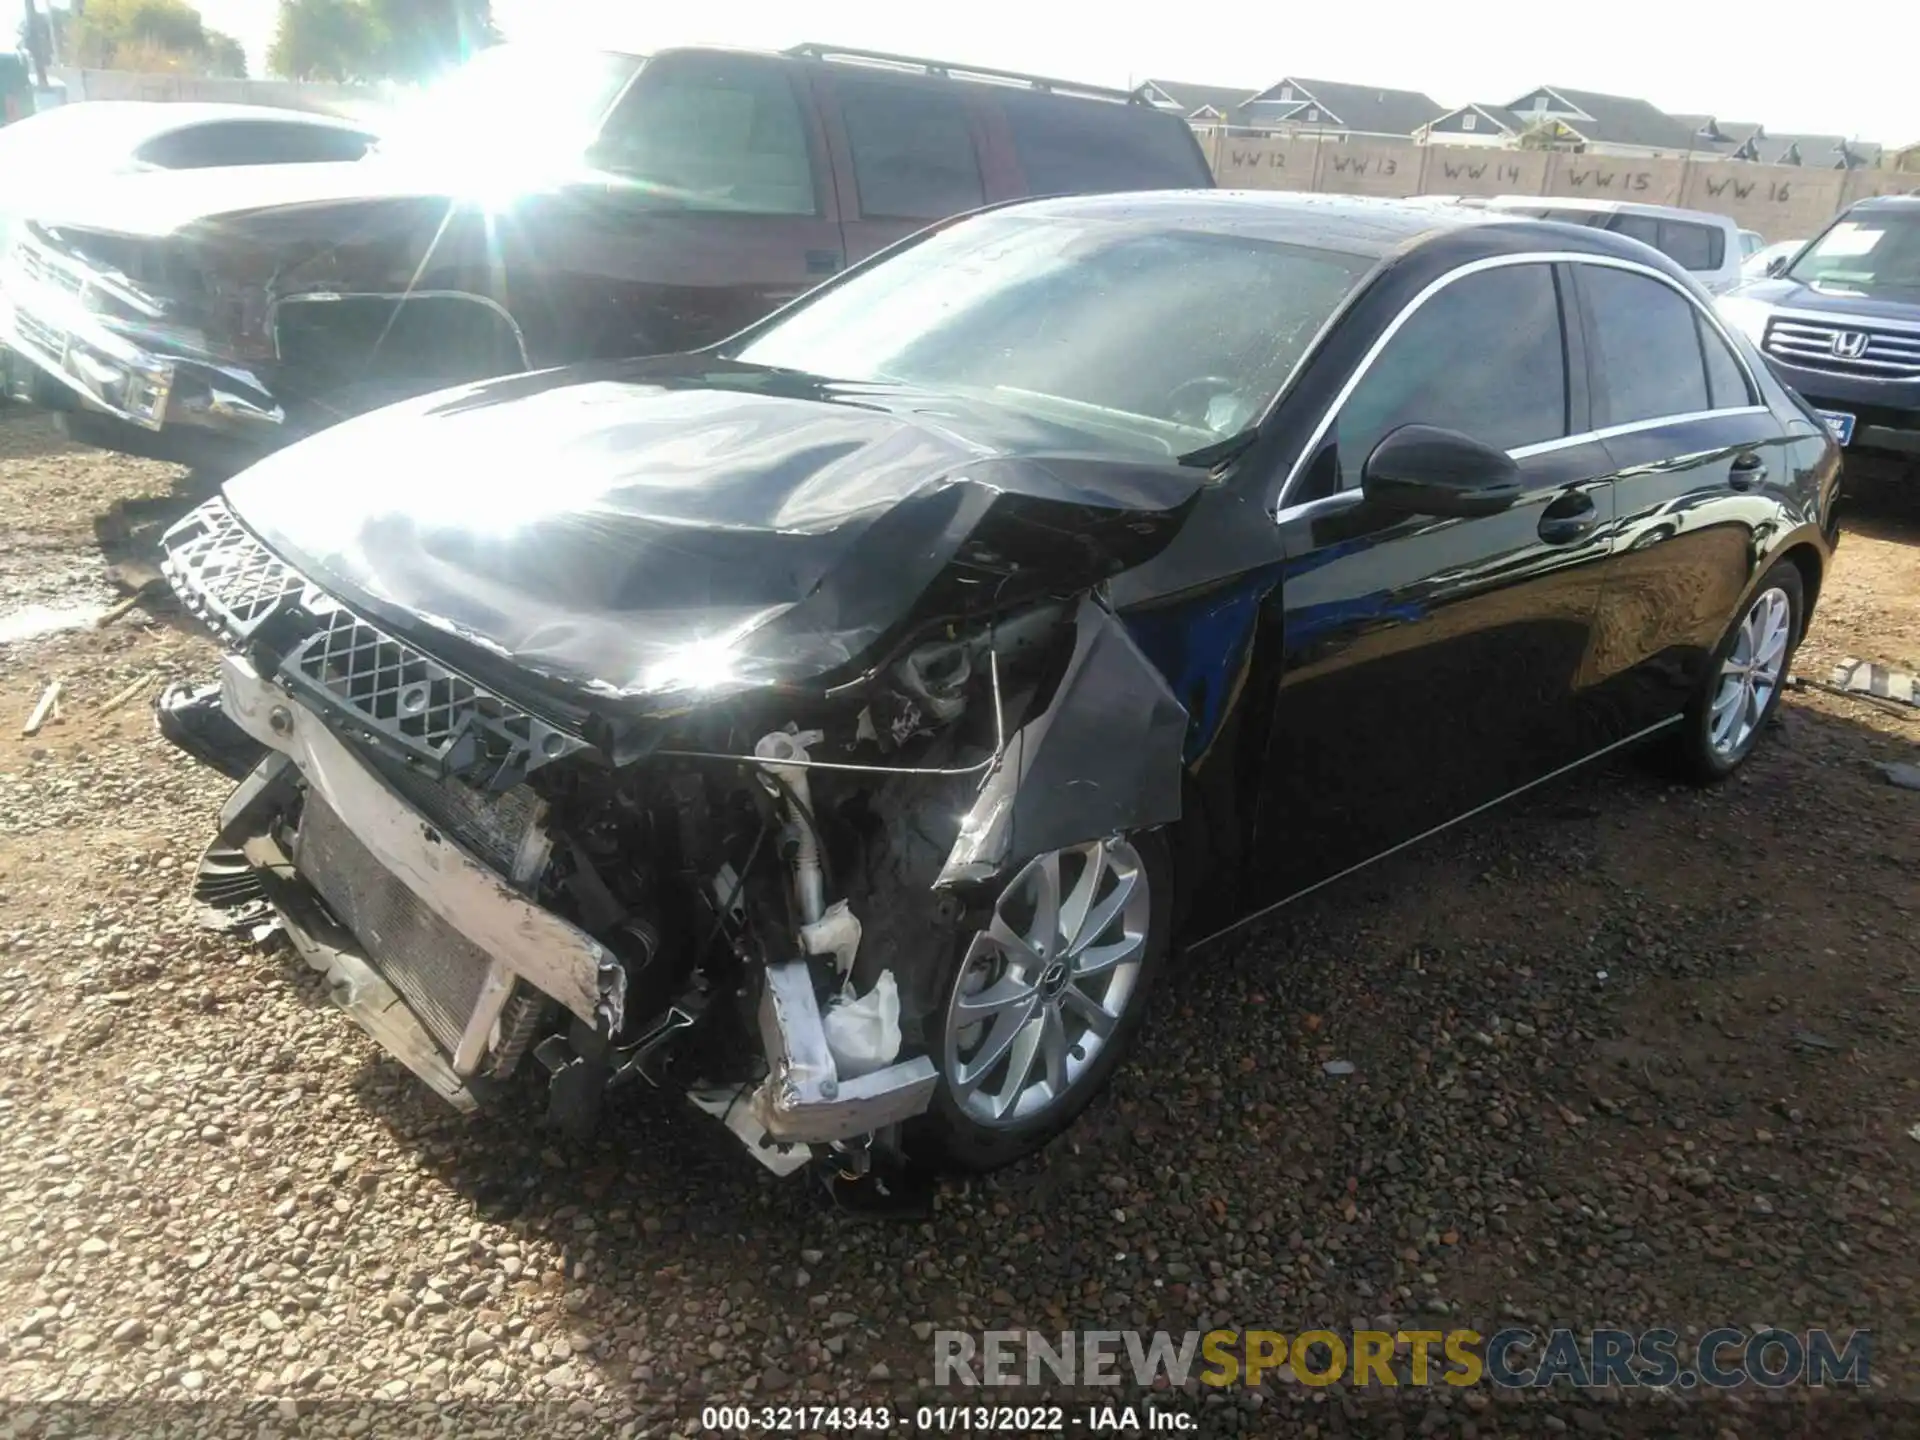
<point>1513,1358</point>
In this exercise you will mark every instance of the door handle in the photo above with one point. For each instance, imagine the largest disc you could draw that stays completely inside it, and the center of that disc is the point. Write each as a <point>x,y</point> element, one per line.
<point>1748,470</point>
<point>1569,517</point>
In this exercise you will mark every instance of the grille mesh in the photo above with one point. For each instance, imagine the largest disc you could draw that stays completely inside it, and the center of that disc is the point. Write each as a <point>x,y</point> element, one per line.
<point>436,969</point>
<point>412,699</point>
<point>387,682</point>
<point>223,574</point>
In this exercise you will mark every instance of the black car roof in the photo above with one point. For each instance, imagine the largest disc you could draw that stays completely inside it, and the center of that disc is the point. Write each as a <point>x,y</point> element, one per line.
<point>1353,224</point>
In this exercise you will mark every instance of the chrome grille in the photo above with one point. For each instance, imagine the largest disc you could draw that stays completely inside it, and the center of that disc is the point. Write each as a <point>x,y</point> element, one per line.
<point>33,331</point>
<point>36,266</point>
<point>436,969</point>
<point>224,575</point>
<point>1884,353</point>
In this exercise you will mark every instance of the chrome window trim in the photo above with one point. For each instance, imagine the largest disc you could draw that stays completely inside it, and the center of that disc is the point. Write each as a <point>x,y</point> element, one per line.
<point>1608,432</point>
<point>1497,262</point>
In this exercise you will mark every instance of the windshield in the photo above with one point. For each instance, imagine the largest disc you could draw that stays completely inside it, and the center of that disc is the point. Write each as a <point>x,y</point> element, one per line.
<point>1876,253</point>
<point>1176,338</point>
<point>511,105</point>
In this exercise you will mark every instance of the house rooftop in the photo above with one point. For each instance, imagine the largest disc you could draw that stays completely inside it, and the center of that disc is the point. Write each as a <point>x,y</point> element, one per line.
<point>1621,120</point>
<point>1371,109</point>
<point>1189,99</point>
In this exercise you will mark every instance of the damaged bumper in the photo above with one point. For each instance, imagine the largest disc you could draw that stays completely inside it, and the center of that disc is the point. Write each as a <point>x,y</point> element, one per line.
<point>436,955</point>
<point>71,322</point>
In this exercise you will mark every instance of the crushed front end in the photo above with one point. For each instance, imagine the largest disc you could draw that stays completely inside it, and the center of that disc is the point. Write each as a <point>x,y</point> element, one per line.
<point>751,902</point>
<point>123,327</point>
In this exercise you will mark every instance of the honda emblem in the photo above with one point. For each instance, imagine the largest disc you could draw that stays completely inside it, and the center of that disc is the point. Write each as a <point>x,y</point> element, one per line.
<point>1849,344</point>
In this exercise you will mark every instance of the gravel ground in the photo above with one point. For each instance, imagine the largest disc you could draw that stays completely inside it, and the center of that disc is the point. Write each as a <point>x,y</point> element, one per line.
<point>1622,1054</point>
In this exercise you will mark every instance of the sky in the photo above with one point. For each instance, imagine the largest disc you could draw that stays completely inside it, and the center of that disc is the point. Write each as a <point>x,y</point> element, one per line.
<point>1853,76</point>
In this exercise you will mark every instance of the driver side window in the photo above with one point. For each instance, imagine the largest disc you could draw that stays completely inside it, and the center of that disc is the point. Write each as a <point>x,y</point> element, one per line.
<point>1484,356</point>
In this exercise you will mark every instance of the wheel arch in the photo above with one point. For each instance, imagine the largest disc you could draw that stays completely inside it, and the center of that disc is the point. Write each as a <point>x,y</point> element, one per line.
<point>1808,559</point>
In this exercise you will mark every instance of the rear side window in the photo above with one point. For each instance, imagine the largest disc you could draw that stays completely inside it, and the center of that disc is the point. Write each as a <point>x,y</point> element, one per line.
<point>1643,228</point>
<point>713,134</point>
<point>1072,146</point>
<point>1484,357</point>
<point>913,156</point>
<point>1687,243</point>
<point>1649,340</point>
<point>1695,247</point>
<point>251,142</point>
<point>1726,381</point>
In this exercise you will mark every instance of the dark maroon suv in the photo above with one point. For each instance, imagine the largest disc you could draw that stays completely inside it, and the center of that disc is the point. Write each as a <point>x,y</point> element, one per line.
<point>538,208</point>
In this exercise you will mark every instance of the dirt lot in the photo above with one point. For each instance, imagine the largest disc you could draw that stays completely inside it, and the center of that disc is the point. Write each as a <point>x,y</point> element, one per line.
<point>1623,1054</point>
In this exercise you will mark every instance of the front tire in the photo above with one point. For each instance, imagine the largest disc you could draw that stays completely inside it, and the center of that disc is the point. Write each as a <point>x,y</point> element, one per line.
<point>1040,1002</point>
<point>1741,689</point>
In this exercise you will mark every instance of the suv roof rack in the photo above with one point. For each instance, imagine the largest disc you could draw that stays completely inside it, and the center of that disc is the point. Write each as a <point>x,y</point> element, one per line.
<point>942,68</point>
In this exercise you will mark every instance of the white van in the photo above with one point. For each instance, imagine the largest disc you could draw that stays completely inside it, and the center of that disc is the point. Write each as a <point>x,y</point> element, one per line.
<point>1708,246</point>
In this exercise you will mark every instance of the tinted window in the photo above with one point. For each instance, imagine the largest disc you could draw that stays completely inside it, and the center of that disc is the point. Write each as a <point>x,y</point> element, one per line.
<point>912,149</point>
<point>1643,228</point>
<point>252,142</point>
<point>1072,146</point>
<point>1726,382</point>
<point>1483,356</point>
<point>713,134</point>
<point>1695,247</point>
<point>1649,345</point>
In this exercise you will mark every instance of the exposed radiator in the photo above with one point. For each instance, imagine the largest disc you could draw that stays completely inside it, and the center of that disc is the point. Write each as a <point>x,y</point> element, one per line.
<point>436,969</point>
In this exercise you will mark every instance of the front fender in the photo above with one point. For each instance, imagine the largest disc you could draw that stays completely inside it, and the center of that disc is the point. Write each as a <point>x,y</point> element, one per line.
<point>1104,757</point>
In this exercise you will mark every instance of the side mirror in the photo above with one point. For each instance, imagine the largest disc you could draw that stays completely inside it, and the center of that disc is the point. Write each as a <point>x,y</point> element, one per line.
<point>1424,470</point>
<point>1777,265</point>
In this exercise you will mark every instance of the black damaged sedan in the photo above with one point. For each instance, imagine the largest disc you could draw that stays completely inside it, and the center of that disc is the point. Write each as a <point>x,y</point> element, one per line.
<point>847,725</point>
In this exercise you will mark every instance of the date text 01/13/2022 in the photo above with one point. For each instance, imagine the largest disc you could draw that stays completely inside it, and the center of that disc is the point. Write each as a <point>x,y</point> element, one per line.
<point>941,1419</point>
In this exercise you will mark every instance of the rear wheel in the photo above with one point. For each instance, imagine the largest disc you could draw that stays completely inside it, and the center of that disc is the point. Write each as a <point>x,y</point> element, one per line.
<point>1741,690</point>
<point>1042,1000</point>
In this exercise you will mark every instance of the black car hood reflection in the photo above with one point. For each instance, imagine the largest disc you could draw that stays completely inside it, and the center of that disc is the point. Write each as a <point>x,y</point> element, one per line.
<point>686,525</point>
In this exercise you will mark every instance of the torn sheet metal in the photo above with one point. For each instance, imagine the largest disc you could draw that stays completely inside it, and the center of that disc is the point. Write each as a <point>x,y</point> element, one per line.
<point>1103,758</point>
<point>804,1097</point>
<point>692,525</point>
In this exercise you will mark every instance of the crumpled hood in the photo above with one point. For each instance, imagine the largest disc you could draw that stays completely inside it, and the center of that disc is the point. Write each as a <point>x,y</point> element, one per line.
<point>677,525</point>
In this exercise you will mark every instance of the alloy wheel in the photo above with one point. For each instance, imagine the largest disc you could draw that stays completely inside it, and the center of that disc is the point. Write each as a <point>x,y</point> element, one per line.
<point>1043,987</point>
<point>1750,675</point>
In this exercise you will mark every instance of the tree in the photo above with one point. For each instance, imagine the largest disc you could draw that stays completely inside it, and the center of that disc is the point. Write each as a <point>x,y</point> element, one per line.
<point>418,40</point>
<point>148,35</point>
<point>377,39</point>
<point>325,40</point>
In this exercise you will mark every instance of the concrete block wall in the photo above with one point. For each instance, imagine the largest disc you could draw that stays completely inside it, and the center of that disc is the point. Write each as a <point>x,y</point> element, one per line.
<point>354,101</point>
<point>1781,202</point>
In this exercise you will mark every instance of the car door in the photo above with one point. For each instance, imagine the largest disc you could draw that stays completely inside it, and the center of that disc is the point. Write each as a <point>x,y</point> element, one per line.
<point>1431,665</point>
<point>711,204</point>
<point>1696,456</point>
<point>907,153</point>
